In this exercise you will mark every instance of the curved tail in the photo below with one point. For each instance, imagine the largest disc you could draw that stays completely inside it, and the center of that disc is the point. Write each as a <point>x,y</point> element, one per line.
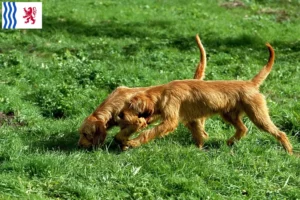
<point>200,70</point>
<point>264,72</point>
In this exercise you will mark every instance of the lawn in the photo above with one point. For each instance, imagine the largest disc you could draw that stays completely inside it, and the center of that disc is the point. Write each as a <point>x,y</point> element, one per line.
<point>51,79</point>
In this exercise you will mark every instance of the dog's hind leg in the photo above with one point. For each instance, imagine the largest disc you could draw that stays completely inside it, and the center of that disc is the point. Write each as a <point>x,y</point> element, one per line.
<point>234,118</point>
<point>258,114</point>
<point>198,132</point>
<point>202,124</point>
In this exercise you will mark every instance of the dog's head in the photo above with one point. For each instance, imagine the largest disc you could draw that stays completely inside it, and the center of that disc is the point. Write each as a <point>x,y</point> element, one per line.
<point>92,132</point>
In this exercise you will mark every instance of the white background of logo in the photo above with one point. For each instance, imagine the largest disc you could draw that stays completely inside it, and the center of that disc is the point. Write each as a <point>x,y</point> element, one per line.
<point>20,21</point>
<point>20,13</point>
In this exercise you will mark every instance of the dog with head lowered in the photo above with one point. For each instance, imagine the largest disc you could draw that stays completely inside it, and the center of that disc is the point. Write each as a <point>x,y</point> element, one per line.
<point>191,101</point>
<point>114,111</point>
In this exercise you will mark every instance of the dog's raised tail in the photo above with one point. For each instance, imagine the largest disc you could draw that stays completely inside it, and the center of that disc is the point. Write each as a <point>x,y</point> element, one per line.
<point>262,75</point>
<point>200,70</point>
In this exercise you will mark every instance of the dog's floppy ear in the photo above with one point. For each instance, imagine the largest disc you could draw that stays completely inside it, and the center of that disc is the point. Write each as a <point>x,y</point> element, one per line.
<point>142,104</point>
<point>99,134</point>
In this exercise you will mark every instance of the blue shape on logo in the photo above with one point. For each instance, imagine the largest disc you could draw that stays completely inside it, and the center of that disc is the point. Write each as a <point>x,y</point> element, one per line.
<point>5,12</point>
<point>14,15</point>
<point>9,15</point>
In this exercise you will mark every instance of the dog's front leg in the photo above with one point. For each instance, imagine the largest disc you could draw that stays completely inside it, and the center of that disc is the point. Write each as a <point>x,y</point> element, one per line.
<point>161,130</point>
<point>127,130</point>
<point>129,123</point>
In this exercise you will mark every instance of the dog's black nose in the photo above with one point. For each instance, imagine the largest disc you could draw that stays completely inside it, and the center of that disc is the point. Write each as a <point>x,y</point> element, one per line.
<point>79,146</point>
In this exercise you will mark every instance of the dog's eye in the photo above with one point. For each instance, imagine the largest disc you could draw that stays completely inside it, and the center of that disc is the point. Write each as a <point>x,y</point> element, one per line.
<point>144,115</point>
<point>85,135</point>
<point>121,115</point>
<point>88,136</point>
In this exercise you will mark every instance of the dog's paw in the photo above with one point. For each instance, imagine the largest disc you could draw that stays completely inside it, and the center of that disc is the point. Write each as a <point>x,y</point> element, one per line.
<point>142,123</point>
<point>230,142</point>
<point>124,147</point>
<point>118,140</point>
<point>132,143</point>
<point>122,144</point>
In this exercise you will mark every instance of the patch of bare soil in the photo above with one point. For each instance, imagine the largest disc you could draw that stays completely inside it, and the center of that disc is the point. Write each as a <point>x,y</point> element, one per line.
<point>10,120</point>
<point>281,15</point>
<point>233,4</point>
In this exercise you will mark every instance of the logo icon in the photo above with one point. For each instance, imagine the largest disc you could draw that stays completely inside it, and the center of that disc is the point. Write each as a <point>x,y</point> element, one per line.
<point>30,14</point>
<point>21,15</point>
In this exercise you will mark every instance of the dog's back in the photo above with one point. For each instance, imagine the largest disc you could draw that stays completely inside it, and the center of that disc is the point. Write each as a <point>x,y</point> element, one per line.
<point>204,98</point>
<point>115,102</point>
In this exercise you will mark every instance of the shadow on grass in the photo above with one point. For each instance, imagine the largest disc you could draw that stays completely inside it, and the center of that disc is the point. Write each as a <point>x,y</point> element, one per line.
<point>108,28</point>
<point>116,30</point>
<point>145,31</point>
<point>213,144</point>
<point>184,138</point>
<point>142,30</point>
<point>68,143</point>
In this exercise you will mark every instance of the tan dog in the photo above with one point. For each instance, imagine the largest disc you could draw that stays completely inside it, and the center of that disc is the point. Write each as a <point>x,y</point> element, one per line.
<point>193,100</point>
<point>113,111</point>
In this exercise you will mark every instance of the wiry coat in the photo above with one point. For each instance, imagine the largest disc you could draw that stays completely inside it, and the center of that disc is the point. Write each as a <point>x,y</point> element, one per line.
<point>115,111</point>
<point>191,101</point>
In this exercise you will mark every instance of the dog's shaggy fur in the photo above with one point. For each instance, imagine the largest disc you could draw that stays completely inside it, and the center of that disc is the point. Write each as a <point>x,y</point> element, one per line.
<point>114,111</point>
<point>93,131</point>
<point>191,101</point>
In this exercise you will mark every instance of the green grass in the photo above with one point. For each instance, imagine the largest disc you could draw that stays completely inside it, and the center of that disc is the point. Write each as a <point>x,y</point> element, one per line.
<point>51,79</point>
